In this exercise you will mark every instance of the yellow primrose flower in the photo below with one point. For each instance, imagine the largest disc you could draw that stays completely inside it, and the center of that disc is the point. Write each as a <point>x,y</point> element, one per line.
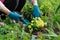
<point>32,21</point>
<point>40,23</point>
<point>29,26</point>
<point>32,24</point>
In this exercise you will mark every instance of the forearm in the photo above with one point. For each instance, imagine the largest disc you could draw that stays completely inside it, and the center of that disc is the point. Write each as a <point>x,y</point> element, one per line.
<point>4,9</point>
<point>33,2</point>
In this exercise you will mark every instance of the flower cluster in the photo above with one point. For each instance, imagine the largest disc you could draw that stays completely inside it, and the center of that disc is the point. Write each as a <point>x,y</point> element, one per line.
<point>36,23</point>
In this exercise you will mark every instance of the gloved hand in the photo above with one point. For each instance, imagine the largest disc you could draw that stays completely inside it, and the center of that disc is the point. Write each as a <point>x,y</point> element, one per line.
<point>25,21</point>
<point>16,16</point>
<point>36,11</point>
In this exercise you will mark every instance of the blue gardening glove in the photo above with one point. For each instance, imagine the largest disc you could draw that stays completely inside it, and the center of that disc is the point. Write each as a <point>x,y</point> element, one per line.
<point>25,21</point>
<point>16,16</point>
<point>36,12</point>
